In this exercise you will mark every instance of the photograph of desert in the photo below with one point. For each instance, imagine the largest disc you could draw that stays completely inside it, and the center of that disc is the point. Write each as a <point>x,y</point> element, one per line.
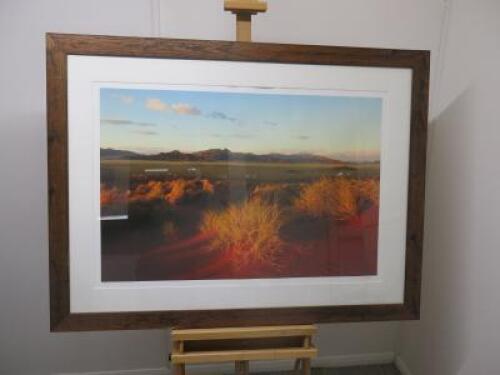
<point>208,184</point>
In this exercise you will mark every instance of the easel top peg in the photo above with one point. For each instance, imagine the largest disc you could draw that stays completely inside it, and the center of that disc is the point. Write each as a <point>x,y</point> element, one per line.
<point>245,6</point>
<point>244,10</point>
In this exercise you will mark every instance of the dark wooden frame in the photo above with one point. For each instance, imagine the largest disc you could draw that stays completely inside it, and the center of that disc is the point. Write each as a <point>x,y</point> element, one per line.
<point>59,46</point>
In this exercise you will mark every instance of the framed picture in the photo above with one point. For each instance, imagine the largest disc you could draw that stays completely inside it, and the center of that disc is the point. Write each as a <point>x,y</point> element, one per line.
<point>208,183</point>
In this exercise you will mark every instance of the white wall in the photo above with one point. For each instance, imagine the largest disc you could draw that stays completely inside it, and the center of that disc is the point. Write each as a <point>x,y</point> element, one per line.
<point>458,333</point>
<point>26,346</point>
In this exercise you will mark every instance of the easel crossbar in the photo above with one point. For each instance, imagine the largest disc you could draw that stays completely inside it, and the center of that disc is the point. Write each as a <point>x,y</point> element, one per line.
<point>243,344</point>
<point>242,332</point>
<point>243,355</point>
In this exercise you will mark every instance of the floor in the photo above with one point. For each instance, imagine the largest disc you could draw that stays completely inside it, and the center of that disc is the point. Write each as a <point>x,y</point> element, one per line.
<point>357,370</point>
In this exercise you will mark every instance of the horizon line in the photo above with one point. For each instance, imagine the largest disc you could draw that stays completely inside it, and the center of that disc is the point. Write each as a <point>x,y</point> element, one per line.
<point>340,157</point>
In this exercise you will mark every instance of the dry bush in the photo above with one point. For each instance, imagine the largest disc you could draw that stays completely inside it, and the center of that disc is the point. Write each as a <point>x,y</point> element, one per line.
<point>112,195</point>
<point>150,191</point>
<point>250,232</point>
<point>277,193</point>
<point>369,189</point>
<point>183,191</point>
<point>172,192</point>
<point>207,186</point>
<point>156,190</point>
<point>345,205</point>
<point>177,192</point>
<point>328,197</point>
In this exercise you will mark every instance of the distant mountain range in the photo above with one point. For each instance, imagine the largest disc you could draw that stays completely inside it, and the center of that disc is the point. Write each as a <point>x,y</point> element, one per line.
<point>112,154</point>
<point>217,154</point>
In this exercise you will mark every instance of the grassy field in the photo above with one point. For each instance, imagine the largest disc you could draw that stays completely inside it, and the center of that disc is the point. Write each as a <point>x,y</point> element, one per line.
<point>209,220</point>
<point>260,172</point>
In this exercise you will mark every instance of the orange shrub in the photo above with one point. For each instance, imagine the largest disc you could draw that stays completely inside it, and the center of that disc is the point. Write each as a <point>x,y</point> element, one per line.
<point>177,192</point>
<point>328,197</point>
<point>249,231</point>
<point>152,190</point>
<point>112,196</point>
<point>207,186</point>
<point>369,189</point>
<point>345,201</point>
<point>171,192</point>
<point>156,190</point>
<point>277,193</point>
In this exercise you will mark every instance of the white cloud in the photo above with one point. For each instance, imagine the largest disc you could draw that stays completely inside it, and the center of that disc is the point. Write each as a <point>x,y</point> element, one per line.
<point>157,105</point>
<point>185,109</point>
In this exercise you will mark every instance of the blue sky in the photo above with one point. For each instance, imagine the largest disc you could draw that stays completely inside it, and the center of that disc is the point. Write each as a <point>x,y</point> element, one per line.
<point>152,121</point>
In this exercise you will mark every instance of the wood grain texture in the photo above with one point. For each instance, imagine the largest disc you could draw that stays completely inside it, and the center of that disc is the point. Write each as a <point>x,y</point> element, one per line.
<point>243,355</point>
<point>242,332</point>
<point>244,27</point>
<point>259,343</point>
<point>243,344</point>
<point>59,46</point>
<point>306,366</point>
<point>250,6</point>
<point>179,369</point>
<point>57,159</point>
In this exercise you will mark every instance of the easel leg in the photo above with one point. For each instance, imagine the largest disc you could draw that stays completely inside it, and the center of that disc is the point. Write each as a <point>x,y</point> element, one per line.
<point>179,369</point>
<point>241,367</point>
<point>297,367</point>
<point>306,366</point>
<point>244,27</point>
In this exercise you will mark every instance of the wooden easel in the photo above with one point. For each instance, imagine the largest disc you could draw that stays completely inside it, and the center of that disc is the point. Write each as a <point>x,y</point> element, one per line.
<point>244,10</point>
<point>243,344</point>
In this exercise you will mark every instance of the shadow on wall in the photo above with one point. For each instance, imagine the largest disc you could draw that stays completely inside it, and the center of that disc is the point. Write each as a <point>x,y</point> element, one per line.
<point>444,329</point>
